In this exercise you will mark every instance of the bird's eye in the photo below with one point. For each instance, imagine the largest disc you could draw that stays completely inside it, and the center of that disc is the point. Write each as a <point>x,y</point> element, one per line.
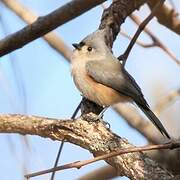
<point>89,48</point>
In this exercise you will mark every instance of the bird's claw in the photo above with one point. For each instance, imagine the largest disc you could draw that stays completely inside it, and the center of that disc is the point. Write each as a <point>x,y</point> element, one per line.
<point>94,118</point>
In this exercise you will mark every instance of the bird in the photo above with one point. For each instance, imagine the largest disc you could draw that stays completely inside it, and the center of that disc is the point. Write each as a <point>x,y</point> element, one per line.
<point>102,79</point>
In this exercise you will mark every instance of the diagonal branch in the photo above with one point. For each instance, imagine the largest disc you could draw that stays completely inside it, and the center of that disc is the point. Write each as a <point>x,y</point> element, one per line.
<point>29,17</point>
<point>167,16</point>
<point>115,15</point>
<point>156,40</point>
<point>92,136</point>
<point>62,143</point>
<point>46,24</point>
<point>121,151</point>
<point>125,55</point>
<point>140,43</point>
<point>112,18</point>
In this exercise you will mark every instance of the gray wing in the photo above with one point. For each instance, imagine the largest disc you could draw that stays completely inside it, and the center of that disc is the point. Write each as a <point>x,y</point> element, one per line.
<point>112,74</point>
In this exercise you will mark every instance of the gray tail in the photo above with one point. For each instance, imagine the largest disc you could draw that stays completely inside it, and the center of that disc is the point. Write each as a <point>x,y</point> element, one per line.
<point>154,119</point>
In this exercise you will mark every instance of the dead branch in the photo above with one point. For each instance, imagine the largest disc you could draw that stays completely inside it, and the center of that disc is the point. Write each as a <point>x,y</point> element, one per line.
<point>92,136</point>
<point>168,159</point>
<point>155,40</point>
<point>167,17</point>
<point>111,20</point>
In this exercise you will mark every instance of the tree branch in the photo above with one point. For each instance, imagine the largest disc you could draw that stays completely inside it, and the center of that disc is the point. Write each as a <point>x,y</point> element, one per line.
<point>115,15</point>
<point>167,17</point>
<point>121,151</point>
<point>92,136</point>
<point>133,118</point>
<point>138,42</point>
<point>113,25</point>
<point>46,24</point>
<point>125,55</point>
<point>156,40</point>
<point>29,17</point>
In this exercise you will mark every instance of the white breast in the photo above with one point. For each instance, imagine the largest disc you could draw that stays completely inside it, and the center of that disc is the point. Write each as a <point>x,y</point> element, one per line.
<point>92,90</point>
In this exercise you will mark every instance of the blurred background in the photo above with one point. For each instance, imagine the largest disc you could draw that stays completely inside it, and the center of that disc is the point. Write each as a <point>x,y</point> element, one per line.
<point>36,80</point>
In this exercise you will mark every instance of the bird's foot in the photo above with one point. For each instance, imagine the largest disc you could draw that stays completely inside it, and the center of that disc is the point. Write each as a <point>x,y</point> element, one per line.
<point>100,118</point>
<point>91,117</point>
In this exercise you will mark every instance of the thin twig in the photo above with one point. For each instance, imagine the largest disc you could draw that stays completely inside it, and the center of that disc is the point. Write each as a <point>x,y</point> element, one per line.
<point>62,143</point>
<point>142,44</point>
<point>79,164</point>
<point>124,56</point>
<point>156,41</point>
<point>129,37</point>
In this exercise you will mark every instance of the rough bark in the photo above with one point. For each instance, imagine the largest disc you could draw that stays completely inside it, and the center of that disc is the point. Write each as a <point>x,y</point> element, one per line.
<point>93,136</point>
<point>115,15</point>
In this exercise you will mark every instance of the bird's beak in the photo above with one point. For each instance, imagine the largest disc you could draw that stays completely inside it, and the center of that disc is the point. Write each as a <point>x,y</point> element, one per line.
<point>77,46</point>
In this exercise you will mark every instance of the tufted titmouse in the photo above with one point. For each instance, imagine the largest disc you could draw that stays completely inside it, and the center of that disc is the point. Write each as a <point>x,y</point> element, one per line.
<point>102,79</point>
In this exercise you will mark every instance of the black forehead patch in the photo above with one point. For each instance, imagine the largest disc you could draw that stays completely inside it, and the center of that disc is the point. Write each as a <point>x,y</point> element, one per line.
<point>81,44</point>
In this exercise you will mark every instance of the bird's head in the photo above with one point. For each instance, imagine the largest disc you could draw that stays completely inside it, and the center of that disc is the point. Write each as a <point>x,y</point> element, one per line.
<point>92,47</point>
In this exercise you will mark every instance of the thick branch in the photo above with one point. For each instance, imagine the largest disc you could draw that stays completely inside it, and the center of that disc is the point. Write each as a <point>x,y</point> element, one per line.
<point>46,24</point>
<point>92,136</point>
<point>168,159</point>
<point>29,17</point>
<point>111,20</point>
<point>115,15</point>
